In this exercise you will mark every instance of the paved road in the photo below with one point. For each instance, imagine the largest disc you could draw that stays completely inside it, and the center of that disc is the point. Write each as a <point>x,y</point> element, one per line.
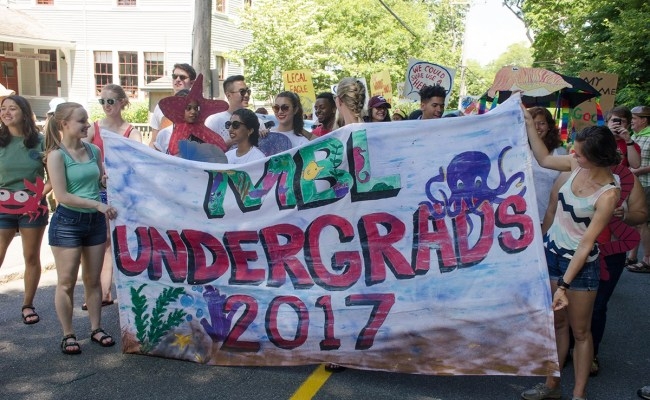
<point>32,367</point>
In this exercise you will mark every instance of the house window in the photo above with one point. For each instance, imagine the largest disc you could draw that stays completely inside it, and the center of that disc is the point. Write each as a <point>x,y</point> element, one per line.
<point>129,72</point>
<point>45,2</point>
<point>103,69</point>
<point>47,74</point>
<point>6,46</point>
<point>126,2</point>
<point>154,66</point>
<point>221,5</point>
<point>221,67</point>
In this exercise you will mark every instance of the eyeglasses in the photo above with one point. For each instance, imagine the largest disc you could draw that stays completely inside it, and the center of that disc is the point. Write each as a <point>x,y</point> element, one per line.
<point>278,108</point>
<point>190,107</point>
<point>235,124</point>
<point>181,77</point>
<point>243,92</point>
<point>110,102</point>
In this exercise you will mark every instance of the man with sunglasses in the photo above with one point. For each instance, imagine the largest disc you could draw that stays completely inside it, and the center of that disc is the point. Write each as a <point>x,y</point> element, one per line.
<point>183,77</point>
<point>237,95</point>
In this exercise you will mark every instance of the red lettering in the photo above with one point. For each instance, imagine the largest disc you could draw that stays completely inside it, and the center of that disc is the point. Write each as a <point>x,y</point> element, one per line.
<point>302,327</point>
<point>282,257</point>
<point>125,263</point>
<point>467,255</point>
<point>173,255</point>
<point>378,250</point>
<point>347,262</point>
<point>518,220</point>
<point>241,273</point>
<point>425,240</point>
<point>198,272</point>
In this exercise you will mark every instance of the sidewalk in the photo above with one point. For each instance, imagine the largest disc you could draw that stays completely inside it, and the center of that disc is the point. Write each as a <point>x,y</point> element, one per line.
<point>13,266</point>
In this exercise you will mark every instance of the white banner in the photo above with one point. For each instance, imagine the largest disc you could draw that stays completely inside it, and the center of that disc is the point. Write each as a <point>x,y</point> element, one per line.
<point>409,246</point>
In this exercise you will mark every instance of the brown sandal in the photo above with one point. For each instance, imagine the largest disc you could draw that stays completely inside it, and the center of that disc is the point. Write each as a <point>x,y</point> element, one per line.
<point>30,318</point>
<point>69,344</point>
<point>104,339</point>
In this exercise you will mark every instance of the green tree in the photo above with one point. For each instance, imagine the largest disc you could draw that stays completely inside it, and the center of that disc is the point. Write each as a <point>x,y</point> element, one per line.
<point>348,38</point>
<point>518,54</point>
<point>594,35</point>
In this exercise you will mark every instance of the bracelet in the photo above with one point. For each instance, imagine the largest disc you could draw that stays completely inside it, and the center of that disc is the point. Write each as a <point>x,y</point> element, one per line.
<point>562,284</point>
<point>630,143</point>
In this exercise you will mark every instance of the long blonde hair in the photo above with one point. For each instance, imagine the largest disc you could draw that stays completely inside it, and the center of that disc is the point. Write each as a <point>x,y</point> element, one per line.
<point>352,95</point>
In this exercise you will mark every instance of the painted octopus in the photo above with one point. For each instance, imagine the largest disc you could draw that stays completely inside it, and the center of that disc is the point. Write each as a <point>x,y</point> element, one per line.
<point>466,177</point>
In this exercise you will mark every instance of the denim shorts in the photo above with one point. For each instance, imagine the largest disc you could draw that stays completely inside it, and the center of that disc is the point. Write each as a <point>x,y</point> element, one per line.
<point>586,280</point>
<point>15,221</point>
<point>69,228</point>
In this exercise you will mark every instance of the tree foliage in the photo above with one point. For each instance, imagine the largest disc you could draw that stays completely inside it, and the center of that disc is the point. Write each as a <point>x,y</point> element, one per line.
<point>594,35</point>
<point>347,38</point>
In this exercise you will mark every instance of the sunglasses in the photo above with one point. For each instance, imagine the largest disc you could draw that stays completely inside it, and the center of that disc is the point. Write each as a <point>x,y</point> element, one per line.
<point>283,108</point>
<point>108,101</point>
<point>235,124</point>
<point>181,77</point>
<point>190,107</point>
<point>243,92</point>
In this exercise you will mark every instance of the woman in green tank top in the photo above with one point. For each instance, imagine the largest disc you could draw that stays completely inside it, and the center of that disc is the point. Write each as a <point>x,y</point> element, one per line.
<point>78,226</point>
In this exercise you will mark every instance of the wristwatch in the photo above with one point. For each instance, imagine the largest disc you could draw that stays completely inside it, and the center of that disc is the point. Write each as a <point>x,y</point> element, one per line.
<point>562,284</point>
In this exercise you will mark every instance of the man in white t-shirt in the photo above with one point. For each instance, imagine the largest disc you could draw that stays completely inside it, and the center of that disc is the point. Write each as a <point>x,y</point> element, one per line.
<point>183,76</point>
<point>237,96</point>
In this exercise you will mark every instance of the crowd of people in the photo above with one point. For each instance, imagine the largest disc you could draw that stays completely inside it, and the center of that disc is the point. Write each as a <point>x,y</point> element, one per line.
<point>604,179</point>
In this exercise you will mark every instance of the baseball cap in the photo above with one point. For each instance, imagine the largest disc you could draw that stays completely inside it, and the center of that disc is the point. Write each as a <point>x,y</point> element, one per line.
<point>54,103</point>
<point>401,113</point>
<point>641,111</point>
<point>378,101</point>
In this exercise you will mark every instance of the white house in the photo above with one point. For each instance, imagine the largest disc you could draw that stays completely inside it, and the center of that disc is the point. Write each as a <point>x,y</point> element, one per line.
<point>71,48</point>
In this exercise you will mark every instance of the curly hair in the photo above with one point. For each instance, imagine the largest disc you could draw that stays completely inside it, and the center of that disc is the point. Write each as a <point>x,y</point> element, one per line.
<point>552,138</point>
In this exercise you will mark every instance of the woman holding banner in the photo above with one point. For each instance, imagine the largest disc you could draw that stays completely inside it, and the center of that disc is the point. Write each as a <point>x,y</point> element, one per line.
<point>78,226</point>
<point>587,202</point>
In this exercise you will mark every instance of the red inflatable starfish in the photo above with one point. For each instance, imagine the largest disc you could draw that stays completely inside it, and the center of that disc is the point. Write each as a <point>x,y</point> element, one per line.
<point>174,108</point>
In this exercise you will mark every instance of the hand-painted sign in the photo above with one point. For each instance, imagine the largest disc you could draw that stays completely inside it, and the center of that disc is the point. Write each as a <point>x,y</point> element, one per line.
<point>299,81</point>
<point>395,246</point>
<point>422,73</point>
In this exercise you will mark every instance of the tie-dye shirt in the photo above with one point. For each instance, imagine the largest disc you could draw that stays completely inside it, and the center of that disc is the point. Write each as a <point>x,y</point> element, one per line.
<point>572,218</point>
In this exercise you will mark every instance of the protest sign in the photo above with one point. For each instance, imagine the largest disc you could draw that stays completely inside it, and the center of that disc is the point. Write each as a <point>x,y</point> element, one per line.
<point>380,85</point>
<point>585,114</point>
<point>394,246</point>
<point>299,81</point>
<point>421,73</point>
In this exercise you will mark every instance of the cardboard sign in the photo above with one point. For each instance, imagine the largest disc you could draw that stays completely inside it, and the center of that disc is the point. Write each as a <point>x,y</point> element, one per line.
<point>299,81</point>
<point>585,113</point>
<point>380,85</point>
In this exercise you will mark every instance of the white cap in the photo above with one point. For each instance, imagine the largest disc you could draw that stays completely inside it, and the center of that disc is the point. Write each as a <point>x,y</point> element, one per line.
<point>54,103</point>
<point>4,92</point>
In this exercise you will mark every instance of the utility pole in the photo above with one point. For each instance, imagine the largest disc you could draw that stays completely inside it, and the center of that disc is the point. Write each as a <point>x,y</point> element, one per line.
<point>202,35</point>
